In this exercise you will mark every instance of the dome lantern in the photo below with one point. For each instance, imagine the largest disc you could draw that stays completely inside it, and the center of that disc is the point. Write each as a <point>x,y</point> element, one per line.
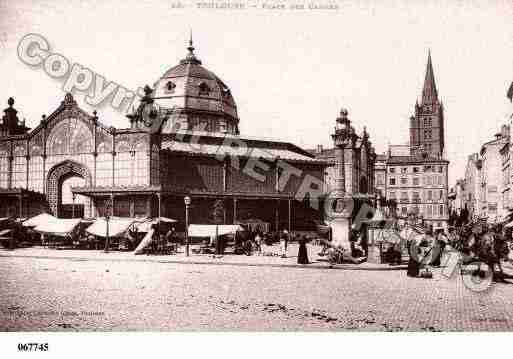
<point>194,98</point>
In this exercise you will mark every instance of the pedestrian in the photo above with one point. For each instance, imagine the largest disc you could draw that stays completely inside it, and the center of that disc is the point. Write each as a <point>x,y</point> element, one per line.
<point>154,238</point>
<point>170,238</point>
<point>438,248</point>
<point>284,242</point>
<point>259,242</point>
<point>416,252</point>
<point>302,254</point>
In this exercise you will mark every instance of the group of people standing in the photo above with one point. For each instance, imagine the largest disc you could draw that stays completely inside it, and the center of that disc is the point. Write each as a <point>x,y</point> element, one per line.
<point>474,242</point>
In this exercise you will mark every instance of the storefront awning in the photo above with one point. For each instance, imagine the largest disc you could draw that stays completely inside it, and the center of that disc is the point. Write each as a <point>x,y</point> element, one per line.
<point>116,226</point>
<point>209,230</point>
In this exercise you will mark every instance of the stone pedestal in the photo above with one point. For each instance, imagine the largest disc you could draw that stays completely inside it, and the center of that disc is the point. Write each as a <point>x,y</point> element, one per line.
<point>374,254</point>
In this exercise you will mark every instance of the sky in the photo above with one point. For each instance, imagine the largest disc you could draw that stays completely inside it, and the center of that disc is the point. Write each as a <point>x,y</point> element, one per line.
<point>290,71</point>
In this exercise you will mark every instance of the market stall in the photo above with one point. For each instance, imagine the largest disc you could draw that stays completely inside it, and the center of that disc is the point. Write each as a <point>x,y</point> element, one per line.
<point>57,231</point>
<point>58,227</point>
<point>114,227</point>
<point>211,230</point>
<point>39,219</point>
<point>144,224</point>
<point>214,235</point>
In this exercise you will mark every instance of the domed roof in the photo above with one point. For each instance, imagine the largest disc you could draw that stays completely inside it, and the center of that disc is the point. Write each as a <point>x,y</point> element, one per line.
<point>190,87</point>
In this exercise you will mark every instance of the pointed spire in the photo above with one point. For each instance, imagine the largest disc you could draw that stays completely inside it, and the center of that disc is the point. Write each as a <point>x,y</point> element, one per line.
<point>191,58</point>
<point>429,92</point>
<point>191,47</point>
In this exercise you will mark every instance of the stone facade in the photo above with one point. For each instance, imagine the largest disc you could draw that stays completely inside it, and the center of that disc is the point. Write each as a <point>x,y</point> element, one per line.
<point>488,179</point>
<point>419,185</point>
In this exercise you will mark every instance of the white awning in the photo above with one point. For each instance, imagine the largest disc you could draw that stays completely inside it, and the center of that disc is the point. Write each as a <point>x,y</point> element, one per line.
<point>58,226</point>
<point>209,230</point>
<point>117,226</point>
<point>39,219</point>
<point>509,225</point>
<point>144,224</point>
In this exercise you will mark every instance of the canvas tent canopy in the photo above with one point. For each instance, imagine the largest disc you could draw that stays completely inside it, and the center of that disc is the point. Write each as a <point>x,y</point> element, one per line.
<point>210,230</point>
<point>39,219</point>
<point>58,226</point>
<point>144,225</point>
<point>117,226</point>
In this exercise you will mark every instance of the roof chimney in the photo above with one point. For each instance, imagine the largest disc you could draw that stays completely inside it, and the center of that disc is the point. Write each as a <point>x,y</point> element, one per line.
<point>319,148</point>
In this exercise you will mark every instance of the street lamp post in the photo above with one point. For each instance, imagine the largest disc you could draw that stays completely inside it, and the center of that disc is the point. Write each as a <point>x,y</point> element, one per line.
<point>108,206</point>
<point>187,201</point>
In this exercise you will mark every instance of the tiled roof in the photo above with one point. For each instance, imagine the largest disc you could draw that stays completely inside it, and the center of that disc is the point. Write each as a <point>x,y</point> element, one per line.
<point>251,151</point>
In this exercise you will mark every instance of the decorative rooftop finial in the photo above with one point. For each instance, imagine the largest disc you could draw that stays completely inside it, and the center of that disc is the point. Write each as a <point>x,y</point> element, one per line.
<point>147,90</point>
<point>191,58</point>
<point>191,47</point>
<point>10,101</point>
<point>365,133</point>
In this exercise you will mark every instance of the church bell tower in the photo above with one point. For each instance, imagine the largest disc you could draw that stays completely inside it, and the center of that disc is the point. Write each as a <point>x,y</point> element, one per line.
<point>427,126</point>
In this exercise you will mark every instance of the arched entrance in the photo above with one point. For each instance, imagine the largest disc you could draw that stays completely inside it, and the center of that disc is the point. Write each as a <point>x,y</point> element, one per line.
<point>60,179</point>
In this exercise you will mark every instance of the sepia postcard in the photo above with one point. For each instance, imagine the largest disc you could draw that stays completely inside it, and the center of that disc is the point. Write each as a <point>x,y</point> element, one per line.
<point>254,166</point>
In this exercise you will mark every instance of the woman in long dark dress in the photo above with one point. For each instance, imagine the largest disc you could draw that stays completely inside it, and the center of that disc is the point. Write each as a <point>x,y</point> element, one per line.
<point>415,256</point>
<point>302,255</point>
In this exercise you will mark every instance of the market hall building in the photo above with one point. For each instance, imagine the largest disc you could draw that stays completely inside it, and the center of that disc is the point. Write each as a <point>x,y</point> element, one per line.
<point>183,140</point>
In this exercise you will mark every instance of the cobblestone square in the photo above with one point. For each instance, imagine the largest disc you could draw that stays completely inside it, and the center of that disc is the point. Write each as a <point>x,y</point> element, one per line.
<point>111,294</point>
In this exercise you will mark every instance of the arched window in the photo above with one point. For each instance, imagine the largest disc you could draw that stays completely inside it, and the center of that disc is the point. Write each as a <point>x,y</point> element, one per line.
<point>71,136</point>
<point>170,86</point>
